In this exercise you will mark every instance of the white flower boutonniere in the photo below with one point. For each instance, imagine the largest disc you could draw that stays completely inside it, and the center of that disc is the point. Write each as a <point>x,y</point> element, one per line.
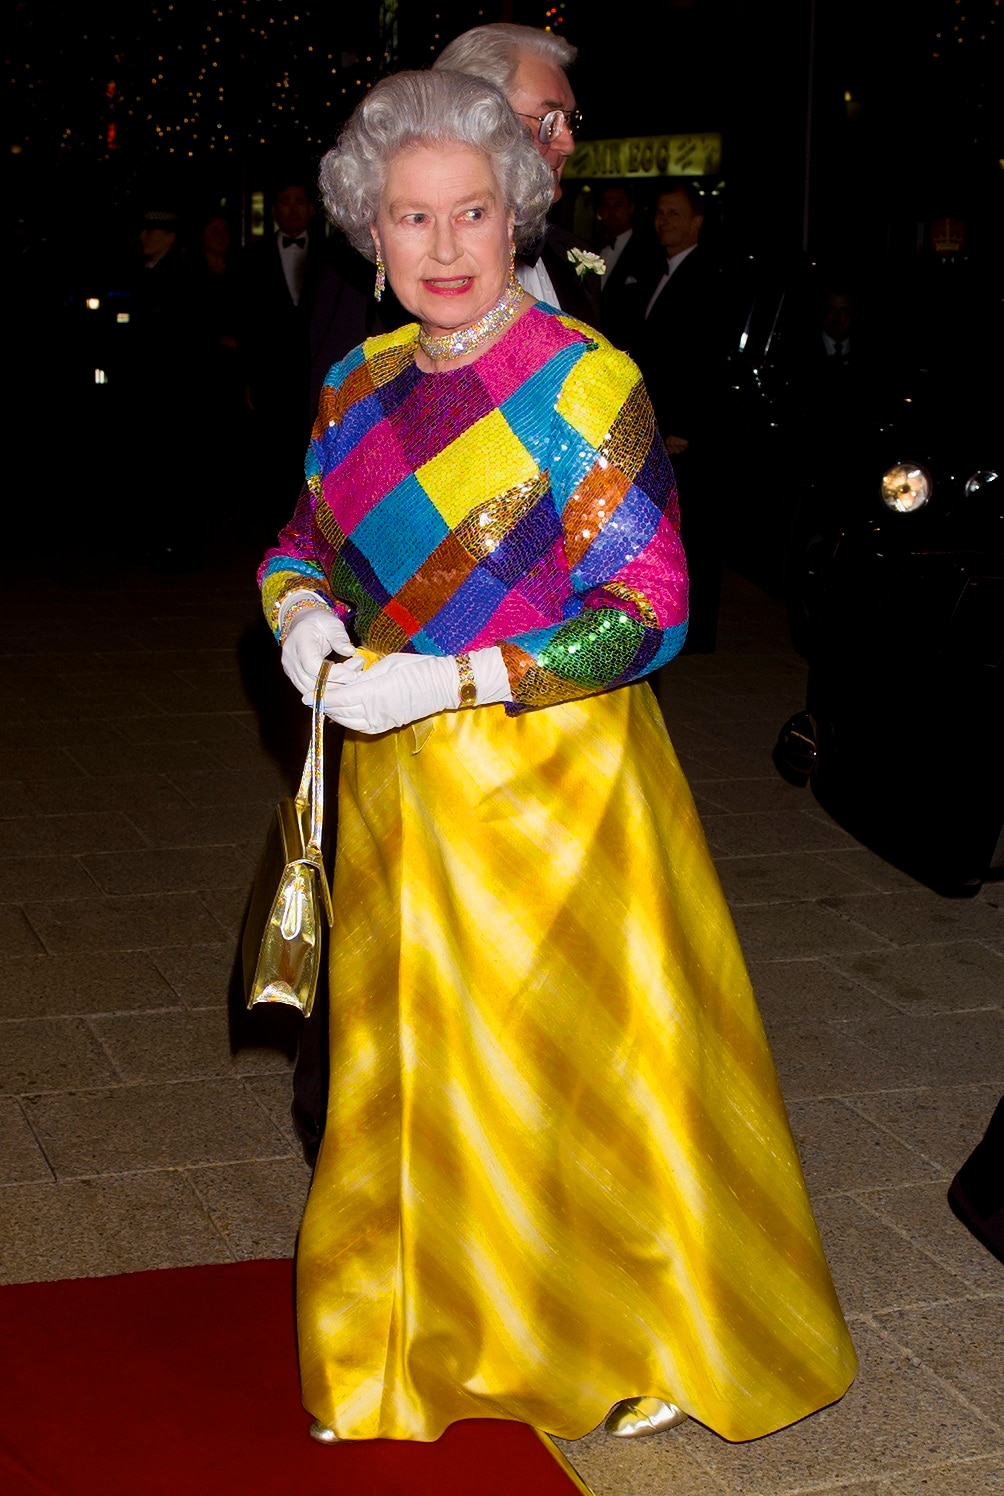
<point>587,263</point>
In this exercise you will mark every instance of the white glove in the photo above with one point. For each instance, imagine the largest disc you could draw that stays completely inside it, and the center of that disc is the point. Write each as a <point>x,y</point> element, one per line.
<point>313,634</point>
<point>403,688</point>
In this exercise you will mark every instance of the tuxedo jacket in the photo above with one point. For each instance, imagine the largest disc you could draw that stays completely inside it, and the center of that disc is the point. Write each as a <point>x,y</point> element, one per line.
<point>343,312</point>
<point>626,288</point>
<point>287,347</point>
<point>578,295</point>
<point>682,350</point>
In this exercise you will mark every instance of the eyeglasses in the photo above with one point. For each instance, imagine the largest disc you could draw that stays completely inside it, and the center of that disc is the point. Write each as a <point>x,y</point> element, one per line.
<point>553,121</point>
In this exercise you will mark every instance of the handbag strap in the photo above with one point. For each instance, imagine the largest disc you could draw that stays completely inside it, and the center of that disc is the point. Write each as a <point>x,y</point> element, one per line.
<point>311,792</point>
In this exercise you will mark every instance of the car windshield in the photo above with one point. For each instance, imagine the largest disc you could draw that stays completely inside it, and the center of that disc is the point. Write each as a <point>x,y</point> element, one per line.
<point>928,332</point>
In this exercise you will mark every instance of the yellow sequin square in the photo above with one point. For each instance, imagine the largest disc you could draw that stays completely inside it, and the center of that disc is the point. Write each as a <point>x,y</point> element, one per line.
<point>482,461</point>
<point>592,395</point>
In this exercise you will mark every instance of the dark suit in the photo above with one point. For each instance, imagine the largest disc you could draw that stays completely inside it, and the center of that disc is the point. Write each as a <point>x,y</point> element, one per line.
<point>681,351</point>
<point>344,312</point>
<point>158,383</point>
<point>287,347</point>
<point>578,295</point>
<point>626,288</point>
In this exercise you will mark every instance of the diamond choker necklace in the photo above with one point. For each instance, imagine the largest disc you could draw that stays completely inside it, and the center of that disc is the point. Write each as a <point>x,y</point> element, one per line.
<point>455,344</point>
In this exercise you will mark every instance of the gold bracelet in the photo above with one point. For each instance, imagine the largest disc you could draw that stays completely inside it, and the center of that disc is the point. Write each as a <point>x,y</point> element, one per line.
<point>468,685</point>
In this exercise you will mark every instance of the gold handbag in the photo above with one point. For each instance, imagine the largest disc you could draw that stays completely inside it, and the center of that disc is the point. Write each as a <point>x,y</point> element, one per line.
<point>281,946</point>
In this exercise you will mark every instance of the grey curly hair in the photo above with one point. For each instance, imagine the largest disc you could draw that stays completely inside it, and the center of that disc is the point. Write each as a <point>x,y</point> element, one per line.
<point>495,51</point>
<point>423,108</point>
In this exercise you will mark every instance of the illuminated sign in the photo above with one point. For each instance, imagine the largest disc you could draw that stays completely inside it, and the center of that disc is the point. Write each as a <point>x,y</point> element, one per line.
<point>648,156</point>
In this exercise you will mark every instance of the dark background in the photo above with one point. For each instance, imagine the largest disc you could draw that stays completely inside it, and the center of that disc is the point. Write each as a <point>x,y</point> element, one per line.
<point>848,125</point>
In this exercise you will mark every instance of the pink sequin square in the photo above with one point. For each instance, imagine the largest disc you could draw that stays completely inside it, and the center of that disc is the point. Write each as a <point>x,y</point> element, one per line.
<point>515,359</point>
<point>514,615</point>
<point>371,469</point>
<point>659,572</point>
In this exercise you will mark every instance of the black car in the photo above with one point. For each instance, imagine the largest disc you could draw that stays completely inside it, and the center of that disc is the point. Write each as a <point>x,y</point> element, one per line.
<point>894,574</point>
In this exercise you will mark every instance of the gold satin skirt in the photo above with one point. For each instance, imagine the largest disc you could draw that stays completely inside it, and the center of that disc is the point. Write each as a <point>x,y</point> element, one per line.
<point>557,1170</point>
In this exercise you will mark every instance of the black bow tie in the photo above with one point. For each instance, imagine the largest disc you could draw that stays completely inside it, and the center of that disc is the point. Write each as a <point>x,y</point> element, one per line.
<point>286,242</point>
<point>531,255</point>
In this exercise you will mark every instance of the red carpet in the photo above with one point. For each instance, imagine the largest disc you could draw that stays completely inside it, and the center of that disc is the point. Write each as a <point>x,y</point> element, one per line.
<point>184,1382</point>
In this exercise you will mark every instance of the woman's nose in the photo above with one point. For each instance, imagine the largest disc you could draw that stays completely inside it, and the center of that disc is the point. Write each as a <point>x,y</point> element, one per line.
<point>444,244</point>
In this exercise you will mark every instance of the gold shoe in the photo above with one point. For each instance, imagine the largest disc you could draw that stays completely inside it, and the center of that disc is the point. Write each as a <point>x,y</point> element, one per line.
<point>322,1433</point>
<point>642,1415</point>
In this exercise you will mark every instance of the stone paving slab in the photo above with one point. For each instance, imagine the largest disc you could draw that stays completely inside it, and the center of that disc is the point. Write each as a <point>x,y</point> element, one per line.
<point>67,835</point>
<point>256,1207</point>
<point>126,1128</point>
<point>917,1213</point>
<point>90,1228</point>
<point>940,1123</point>
<point>810,990</point>
<point>92,982</point>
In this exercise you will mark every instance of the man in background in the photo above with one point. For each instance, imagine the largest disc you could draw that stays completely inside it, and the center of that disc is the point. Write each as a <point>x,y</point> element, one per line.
<point>304,306</point>
<point>531,69</point>
<point>633,259</point>
<point>682,355</point>
<point>159,385</point>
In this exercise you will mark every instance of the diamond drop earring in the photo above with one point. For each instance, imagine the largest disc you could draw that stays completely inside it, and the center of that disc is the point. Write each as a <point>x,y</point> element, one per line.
<point>380,283</point>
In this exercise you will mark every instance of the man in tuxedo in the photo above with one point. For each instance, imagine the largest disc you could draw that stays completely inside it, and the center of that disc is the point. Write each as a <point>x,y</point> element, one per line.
<point>304,306</point>
<point>531,67</point>
<point>163,350</point>
<point>681,352</point>
<point>634,261</point>
<point>837,319</point>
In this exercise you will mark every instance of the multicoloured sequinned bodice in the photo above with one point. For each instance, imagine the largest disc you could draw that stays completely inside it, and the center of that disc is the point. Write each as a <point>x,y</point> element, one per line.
<point>524,500</point>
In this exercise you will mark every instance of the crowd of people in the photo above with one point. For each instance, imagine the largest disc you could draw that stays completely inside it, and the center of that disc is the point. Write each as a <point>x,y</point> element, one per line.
<point>229,342</point>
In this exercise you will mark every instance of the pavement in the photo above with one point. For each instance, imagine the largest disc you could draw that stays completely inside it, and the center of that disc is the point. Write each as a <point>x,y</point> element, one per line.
<point>144,1119</point>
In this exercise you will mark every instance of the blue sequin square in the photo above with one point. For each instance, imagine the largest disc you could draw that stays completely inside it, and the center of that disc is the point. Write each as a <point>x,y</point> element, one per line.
<point>467,611</point>
<point>399,533</point>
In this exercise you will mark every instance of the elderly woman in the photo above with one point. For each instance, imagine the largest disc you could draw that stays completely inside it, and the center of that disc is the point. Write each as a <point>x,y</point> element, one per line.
<point>557,1180</point>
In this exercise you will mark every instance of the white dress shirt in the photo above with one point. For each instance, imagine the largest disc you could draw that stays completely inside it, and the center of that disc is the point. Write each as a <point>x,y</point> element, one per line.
<point>612,252</point>
<point>831,346</point>
<point>294,261</point>
<point>673,263</point>
<point>535,280</point>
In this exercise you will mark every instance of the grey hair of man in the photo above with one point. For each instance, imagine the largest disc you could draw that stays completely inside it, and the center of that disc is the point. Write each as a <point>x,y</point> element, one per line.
<point>495,51</point>
<point>431,108</point>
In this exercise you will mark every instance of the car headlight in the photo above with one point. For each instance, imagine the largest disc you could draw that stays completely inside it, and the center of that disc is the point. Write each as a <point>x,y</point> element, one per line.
<point>905,487</point>
<point>979,481</point>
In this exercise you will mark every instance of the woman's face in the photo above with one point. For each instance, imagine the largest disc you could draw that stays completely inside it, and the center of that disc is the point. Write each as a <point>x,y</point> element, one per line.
<point>444,235</point>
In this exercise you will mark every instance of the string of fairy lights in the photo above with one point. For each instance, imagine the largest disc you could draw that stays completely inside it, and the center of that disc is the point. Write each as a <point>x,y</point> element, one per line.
<point>193,80</point>
<point>964,22</point>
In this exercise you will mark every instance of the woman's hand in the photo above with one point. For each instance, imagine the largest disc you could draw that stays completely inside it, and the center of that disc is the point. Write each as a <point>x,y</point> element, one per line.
<point>312,635</point>
<point>403,688</point>
<point>396,690</point>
